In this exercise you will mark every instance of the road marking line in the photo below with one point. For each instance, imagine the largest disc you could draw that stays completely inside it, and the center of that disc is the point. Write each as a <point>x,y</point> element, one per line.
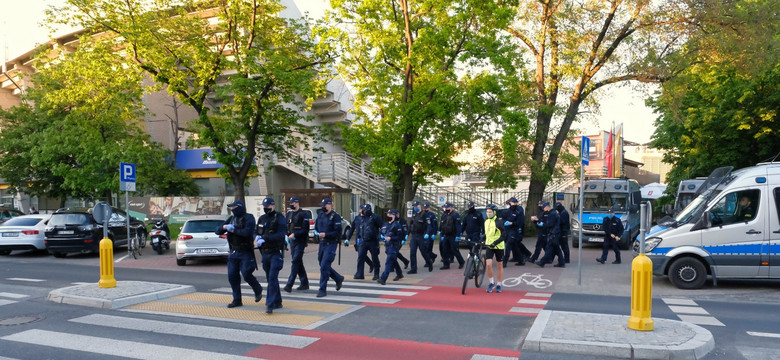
<point>122,258</point>
<point>25,279</point>
<point>525,310</point>
<point>532,301</point>
<point>670,301</point>
<point>695,310</point>
<point>392,286</point>
<point>377,292</point>
<point>700,320</point>
<point>208,332</point>
<point>490,357</point>
<point>763,334</point>
<point>313,296</point>
<point>83,283</point>
<point>6,302</point>
<point>12,295</point>
<point>114,347</point>
<point>533,294</point>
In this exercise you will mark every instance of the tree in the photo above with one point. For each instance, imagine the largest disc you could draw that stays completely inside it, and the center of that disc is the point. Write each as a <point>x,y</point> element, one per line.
<point>722,109</point>
<point>244,74</point>
<point>79,121</point>
<point>578,47</point>
<point>427,78</point>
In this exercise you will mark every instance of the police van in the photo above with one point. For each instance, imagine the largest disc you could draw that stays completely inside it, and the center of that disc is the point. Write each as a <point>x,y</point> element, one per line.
<point>599,195</point>
<point>688,190</point>
<point>730,231</point>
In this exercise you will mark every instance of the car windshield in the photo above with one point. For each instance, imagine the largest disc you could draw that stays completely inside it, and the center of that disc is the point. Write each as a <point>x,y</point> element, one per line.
<point>709,190</point>
<point>22,222</point>
<point>69,219</point>
<point>604,201</point>
<point>202,226</point>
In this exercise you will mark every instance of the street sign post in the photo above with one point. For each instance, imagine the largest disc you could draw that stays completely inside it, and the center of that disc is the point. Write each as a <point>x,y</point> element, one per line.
<point>585,159</point>
<point>127,184</point>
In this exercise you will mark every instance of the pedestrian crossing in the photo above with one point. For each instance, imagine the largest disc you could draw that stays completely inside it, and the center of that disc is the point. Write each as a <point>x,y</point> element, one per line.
<point>7,298</point>
<point>689,311</point>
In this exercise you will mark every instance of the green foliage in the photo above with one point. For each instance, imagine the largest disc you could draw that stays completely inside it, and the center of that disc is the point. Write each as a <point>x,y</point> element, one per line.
<point>76,125</point>
<point>428,77</point>
<point>244,69</point>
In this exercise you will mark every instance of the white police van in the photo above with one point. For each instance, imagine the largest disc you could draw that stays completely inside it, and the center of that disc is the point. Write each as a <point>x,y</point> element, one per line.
<point>730,231</point>
<point>688,190</point>
<point>623,196</point>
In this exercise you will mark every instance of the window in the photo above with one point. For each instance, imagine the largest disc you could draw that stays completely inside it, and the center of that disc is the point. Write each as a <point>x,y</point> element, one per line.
<point>22,222</point>
<point>204,226</point>
<point>736,207</point>
<point>777,202</point>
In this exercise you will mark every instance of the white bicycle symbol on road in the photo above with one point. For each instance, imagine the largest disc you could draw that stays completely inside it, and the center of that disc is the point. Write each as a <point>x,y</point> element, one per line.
<point>534,280</point>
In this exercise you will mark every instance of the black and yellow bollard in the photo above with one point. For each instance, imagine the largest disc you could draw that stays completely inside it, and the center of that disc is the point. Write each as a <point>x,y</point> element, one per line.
<point>106,264</point>
<point>641,293</point>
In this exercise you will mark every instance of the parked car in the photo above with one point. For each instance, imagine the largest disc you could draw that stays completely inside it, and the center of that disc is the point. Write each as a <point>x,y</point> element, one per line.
<point>198,239</point>
<point>25,232</point>
<point>313,212</point>
<point>76,230</point>
<point>8,213</point>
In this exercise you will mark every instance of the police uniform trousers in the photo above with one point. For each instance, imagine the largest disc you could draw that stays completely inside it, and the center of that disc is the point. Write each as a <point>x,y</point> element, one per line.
<point>297,247</point>
<point>364,249</point>
<point>242,264</point>
<point>391,263</point>
<point>564,241</point>
<point>325,256</point>
<point>553,249</point>
<point>541,244</point>
<point>418,242</point>
<point>610,243</point>
<point>273,261</point>
<point>453,252</point>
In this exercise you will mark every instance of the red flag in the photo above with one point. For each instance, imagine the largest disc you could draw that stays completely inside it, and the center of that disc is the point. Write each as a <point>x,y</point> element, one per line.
<point>608,155</point>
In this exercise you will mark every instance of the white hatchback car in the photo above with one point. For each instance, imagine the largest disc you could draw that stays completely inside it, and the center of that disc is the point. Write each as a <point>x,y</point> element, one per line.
<point>26,232</point>
<point>198,239</point>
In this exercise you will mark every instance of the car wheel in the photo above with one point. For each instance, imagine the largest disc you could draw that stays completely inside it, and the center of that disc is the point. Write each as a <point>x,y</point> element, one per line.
<point>575,242</point>
<point>5,252</point>
<point>625,244</point>
<point>181,262</point>
<point>687,273</point>
<point>142,239</point>
<point>58,254</point>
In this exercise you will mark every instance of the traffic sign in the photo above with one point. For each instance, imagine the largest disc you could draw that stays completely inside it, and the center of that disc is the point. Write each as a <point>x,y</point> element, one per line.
<point>585,150</point>
<point>126,177</point>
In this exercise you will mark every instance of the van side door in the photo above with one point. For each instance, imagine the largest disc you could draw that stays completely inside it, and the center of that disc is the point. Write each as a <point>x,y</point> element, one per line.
<point>772,253</point>
<point>735,239</point>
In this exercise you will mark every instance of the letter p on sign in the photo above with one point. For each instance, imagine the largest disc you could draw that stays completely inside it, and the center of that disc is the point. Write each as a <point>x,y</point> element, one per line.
<point>127,172</point>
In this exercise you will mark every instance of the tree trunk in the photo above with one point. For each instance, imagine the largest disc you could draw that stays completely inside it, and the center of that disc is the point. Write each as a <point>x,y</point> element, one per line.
<point>107,195</point>
<point>238,185</point>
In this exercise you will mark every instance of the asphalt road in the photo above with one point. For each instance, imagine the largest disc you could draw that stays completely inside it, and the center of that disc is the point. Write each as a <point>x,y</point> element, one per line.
<point>431,320</point>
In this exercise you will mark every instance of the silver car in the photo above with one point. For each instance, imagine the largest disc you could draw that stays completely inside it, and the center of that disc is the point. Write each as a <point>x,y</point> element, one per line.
<point>26,232</point>
<point>198,239</point>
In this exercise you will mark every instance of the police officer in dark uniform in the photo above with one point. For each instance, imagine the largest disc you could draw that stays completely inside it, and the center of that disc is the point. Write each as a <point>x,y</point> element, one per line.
<point>613,230</point>
<point>565,226</point>
<point>328,229</point>
<point>418,229</point>
<point>541,236</point>
<point>297,234</point>
<point>270,239</point>
<point>450,236</point>
<point>404,237</point>
<point>430,232</point>
<point>366,226</point>
<point>391,235</point>
<point>473,223</point>
<point>240,229</point>
<point>550,225</point>
<point>514,219</point>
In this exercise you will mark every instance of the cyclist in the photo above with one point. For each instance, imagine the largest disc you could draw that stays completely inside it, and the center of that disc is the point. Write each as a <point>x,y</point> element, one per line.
<point>495,248</point>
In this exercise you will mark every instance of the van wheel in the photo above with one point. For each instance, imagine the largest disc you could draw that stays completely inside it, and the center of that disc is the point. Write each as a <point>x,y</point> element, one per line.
<point>687,273</point>
<point>181,262</point>
<point>625,244</point>
<point>575,242</point>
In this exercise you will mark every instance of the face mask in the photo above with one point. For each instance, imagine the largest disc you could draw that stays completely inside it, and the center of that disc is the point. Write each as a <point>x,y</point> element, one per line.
<point>266,210</point>
<point>292,206</point>
<point>491,215</point>
<point>390,219</point>
<point>416,209</point>
<point>324,209</point>
<point>506,206</point>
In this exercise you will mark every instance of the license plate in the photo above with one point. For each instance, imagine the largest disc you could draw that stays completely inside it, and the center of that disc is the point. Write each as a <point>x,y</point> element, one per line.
<point>154,241</point>
<point>206,251</point>
<point>596,240</point>
<point>65,232</point>
<point>10,234</point>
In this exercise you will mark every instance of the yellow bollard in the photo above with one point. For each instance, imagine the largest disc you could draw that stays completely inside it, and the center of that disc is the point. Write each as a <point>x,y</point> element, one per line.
<point>641,293</point>
<point>106,264</point>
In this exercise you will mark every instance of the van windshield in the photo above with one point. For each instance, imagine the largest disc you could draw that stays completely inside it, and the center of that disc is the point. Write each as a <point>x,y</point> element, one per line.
<point>605,201</point>
<point>710,189</point>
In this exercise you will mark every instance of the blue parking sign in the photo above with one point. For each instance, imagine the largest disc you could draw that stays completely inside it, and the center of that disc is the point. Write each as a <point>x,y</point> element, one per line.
<point>127,172</point>
<point>585,150</point>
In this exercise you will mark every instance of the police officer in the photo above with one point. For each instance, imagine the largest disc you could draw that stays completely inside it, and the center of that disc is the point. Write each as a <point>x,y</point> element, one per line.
<point>404,237</point>
<point>240,229</point>
<point>550,225</point>
<point>514,219</point>
<point>297,234</point>
<point>430,232</point>
<point>328,229</point>
<point>473,223</point>
<point>420,222</point>
<point>565,226</point>
<point>391,234</point>
<point>366,226</point>
<point>270,239</point>
<point>541,236</point>
<point>450,236</point>
<point>613,230</point>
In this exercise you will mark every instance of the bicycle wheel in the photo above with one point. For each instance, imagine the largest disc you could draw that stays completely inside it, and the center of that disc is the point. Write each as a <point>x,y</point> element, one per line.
<point>135,251</point>
<point>142,240</point>
<point>480,275</point>
<point>468,273</point>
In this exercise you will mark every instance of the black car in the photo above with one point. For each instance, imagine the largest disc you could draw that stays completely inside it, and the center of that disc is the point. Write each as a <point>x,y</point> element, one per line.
<point>8,213</point>
<point>75,230</point>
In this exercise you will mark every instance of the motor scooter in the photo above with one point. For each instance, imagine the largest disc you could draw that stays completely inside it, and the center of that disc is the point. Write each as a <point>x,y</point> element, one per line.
<point>160,236</point>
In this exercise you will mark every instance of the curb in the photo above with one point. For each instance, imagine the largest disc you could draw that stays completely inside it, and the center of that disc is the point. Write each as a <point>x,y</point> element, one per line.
<point>554,341</point>
<point>118,297</point>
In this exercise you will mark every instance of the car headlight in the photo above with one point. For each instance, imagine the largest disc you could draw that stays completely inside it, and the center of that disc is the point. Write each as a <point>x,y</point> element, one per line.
<point>575,224</point>
<point>651,243</point>
<point>49,229</point>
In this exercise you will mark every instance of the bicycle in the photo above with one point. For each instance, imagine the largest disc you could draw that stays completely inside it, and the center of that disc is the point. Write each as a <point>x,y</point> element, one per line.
<point>535,280</point>
<point>475,265</point>
<point>133,247</point>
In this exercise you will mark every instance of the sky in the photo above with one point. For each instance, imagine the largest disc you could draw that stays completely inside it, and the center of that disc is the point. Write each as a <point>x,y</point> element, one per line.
<point>20,31</point>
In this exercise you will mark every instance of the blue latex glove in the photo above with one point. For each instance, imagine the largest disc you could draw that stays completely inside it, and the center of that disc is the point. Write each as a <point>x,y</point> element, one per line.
<point>457,239</point>
<point>541,223</point>
<point>403,242</point>
<point>346,242</point>
<point>406,237</point>
<point>519,231</point>
<point>359,241</point>
<point>507,223</point>
<point>259,240</point>
<point>426,237</point>
<point>316,233</point>
<point>230,227</point>
<point>482,236</point>
<point>291,238</point>
<point>287,239</point>
<point>433,236</point>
